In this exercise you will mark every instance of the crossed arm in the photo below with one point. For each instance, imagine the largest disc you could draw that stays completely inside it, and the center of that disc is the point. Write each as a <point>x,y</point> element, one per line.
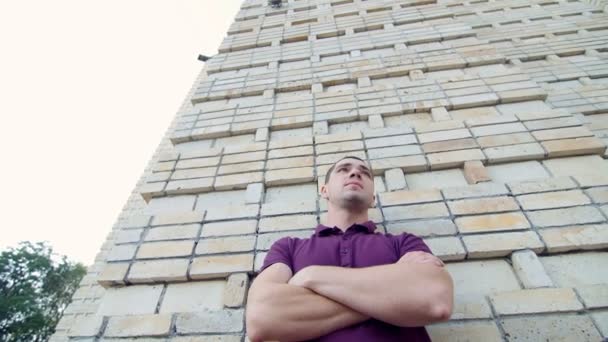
<point>318,300</point>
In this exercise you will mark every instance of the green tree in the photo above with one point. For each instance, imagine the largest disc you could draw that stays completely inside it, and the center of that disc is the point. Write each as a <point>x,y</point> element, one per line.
<point>36,286</point>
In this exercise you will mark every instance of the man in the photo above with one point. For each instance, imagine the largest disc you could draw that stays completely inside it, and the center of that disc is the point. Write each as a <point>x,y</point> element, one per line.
<point>347,282</point>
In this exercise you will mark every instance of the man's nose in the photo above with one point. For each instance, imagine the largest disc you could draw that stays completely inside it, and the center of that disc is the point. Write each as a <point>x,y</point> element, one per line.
<point>355,173</point>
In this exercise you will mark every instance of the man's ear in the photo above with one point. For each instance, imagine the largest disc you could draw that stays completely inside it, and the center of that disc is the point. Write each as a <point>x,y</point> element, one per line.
<point>324,191</point>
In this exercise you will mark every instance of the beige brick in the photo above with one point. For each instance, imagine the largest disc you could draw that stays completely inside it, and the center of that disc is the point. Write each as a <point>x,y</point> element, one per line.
<point>425,126</point>
<point>391,141</point>
<point>511,153</point>
<point>498,129</point>
<point>564,327</point>
<point>492,223</point>
<point>229,228</point>
<point>444,135</point>
<point>549,184</point>
<point>220,266</point>
<point>409,197</point>
<point>241,168</point>
<point>130,300</point>
<point>225,244</point>
<point>286,163</point>
<point>210,321</point>
<point>475,172</point>
<point>395,151</point>
<point>158,271</point>
<point>188,231</point>
<point>483,205</point>
<point>444,160</point>
<point>211,132</point>
<point>601,321</point>
<point>447,248</point>
<point>193,296</point>
<point>334,157</point>
<point>576,269</point>
<point>235,290</point>
<point>206,152</point>
<point>340,147</point>
<point>535,301</point>
<point>565,216</point>
<point>395,179</point>
<point>594,296</point>
<point>232,212</point>
<point>165,249</point>
<point>477,190</point>
<point>418,211</point>
<point>423,228</point>
<point>470,289</point>
<point>85,326</point>
<point>306,205</point>
<point>197,163</point>
<point>476,100</point>
<point>135,221</point>
<point>113,274</point>
<point>251,147</point>
<point>449,145</point>
<point>525,115</point>
<point>413,163</point>
<point>178,218</point>
<point>529,270</point>
<point>266,240</point>
<point>289,176</point>
<point>329,138</point>
<point>485,120</point>
<point>590,166</point>
<point>598,195</point>
<point>289,142</point>
<point>574,147</point>
<point>291,152</point>
<point>505,139</point>
<point>287,222</point>
<point>164,166</point>
<point>465,331</point>
<point>138,325</point>
<point>562,133</point>
<point>237,181</point>
<point>552,123</point>
<point>550,200</point>
<point>244,157</point>
<point>501,244</point>
<point>151,190</point>
<point>128,235</point>
<point>200,172</point>
<point>189,186</point>
<point>591,180</point>
<point>575,237</point>
<point>121,252</point>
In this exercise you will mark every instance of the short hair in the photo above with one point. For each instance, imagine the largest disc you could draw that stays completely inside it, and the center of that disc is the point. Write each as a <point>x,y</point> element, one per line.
<point>328,174</point>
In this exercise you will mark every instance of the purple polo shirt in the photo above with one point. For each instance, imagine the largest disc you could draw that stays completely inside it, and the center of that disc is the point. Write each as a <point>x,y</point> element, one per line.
<point>358,247</point>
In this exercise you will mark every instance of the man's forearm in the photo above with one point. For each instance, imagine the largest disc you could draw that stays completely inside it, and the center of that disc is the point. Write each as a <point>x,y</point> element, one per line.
<point>285,312</point>
<point>399,294</point>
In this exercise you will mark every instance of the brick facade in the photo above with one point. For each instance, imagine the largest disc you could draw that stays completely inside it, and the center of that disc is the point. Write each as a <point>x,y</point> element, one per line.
<point>486,125</point>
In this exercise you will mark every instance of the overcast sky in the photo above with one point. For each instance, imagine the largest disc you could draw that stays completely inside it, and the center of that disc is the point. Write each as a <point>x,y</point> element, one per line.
<point>87,90</point>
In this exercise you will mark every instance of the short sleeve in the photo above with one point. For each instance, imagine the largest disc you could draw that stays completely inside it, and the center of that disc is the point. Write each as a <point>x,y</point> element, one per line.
<point>280,251</point>
<point>411,243</point>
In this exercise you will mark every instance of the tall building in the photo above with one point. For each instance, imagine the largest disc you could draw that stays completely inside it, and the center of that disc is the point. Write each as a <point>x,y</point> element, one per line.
<point>485,123</point>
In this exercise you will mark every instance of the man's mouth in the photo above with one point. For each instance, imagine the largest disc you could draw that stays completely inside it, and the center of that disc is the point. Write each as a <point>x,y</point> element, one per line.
<point>354,183</point>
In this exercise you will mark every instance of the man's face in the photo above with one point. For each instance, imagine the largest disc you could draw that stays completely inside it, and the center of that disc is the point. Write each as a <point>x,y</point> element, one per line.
<point>351,185</point>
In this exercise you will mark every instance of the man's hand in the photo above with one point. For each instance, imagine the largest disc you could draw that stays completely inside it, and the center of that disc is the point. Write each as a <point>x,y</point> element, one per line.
<point>302,277</point>
<point>419,257</point>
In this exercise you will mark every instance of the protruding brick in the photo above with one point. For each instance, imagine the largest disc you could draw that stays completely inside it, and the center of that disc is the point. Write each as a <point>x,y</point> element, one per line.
<point>535,301</point>
<point>475,172</point>
<point>236,288</point>
<point>550,200</point>
<point>395,179</point>
<point>564,327</point>
<point>447,248</point>
<point>158,271</point>
<point>529,270</point>
<point>501,244</point>
<point>483,205</point>
<point>193,296</point>
<point>465,331</point>
<point>255,193</point>
<point>584,237</point>
<point>492,223</point>
<point>113,274</point>
<point>220,266</point>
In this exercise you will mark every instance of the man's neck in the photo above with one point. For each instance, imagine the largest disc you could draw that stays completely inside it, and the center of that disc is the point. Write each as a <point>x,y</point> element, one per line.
<point>343,218</point>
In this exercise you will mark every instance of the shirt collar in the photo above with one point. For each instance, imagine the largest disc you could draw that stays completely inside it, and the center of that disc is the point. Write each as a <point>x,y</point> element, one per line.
<point>367,227</point>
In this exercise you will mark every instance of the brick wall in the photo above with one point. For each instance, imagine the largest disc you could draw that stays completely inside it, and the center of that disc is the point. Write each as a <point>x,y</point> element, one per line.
<point>485,122</point>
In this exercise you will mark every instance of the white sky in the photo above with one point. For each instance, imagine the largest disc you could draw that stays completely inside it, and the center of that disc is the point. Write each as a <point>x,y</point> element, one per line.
<point>87,89</point>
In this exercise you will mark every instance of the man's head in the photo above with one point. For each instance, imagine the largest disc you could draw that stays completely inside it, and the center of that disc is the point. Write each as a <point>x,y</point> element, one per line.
<point>349,183</point>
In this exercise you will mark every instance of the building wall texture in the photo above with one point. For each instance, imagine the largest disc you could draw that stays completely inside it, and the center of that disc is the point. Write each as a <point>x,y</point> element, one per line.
<point>486,125</point>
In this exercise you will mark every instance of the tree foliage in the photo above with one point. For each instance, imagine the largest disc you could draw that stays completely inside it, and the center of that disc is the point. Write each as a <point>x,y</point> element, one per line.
<point>36,286</point>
